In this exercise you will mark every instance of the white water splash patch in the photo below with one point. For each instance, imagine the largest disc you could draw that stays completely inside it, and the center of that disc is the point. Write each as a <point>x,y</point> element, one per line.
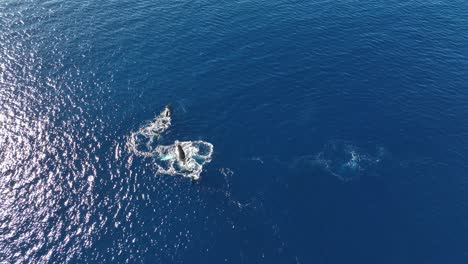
<point>147,142</point>
<point>144,141</point>
<point>197,154</point>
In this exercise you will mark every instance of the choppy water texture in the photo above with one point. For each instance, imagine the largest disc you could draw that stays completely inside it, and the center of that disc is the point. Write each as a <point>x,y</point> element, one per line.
<point>339,131</point>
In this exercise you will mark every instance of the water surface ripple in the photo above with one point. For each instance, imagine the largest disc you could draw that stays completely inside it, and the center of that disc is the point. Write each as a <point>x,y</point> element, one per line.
<point>340,131</point>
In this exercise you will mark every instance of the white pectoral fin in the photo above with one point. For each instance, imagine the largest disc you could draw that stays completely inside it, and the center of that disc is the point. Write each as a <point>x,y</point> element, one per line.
<point>167,157</point>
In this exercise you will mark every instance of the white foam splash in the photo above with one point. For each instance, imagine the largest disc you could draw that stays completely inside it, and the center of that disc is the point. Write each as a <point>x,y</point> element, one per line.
<point>197,154</point>
<point>146,142</point>
<point>142,142</point>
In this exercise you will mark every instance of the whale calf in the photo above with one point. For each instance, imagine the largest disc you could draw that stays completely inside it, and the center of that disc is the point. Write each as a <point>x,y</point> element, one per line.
<point>167,111</point>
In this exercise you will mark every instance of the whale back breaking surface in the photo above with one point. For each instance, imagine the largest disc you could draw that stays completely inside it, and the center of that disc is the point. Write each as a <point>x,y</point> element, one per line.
<point>180,152</point>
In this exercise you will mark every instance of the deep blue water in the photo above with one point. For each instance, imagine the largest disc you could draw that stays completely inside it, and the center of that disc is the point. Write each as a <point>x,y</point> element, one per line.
<point>340,131</point>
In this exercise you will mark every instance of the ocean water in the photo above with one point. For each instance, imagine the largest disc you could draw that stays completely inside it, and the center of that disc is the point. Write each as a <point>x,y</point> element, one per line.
<point>339,131</point>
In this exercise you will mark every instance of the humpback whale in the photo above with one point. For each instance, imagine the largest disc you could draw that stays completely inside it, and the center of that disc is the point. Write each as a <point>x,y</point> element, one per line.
<point>180,153</point>
<point>167,110</point>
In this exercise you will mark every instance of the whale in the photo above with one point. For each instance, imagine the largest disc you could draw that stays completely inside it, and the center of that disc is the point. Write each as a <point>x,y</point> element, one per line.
<point>167,111</point>
<point>180,153</point>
